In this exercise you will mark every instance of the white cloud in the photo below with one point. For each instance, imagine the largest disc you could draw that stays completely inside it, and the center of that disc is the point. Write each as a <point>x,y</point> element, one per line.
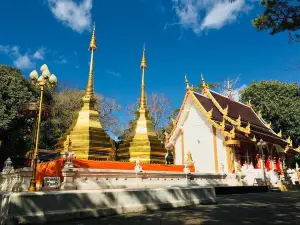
<point>21,61</point>
<point>62,60</point>
<point>39,54</point>
<point>236,93</point>
<point>199,15</point>
<point>116,74</point>
<point>74,15</point>
<point>24,62</point>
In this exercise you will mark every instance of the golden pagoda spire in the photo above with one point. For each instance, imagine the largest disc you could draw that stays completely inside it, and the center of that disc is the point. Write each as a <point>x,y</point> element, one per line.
<point>89,91</point>
<point>143,103</point>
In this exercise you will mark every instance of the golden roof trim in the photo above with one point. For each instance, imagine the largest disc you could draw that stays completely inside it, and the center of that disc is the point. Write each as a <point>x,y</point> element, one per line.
<point>224,112</point>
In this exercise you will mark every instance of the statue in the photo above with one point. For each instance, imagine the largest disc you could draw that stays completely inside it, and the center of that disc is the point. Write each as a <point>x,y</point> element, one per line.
<point>189,158</point>
<point>169,158</point>
<point>138,168</point>
<point>186,167</point>
<point>8,167</point>
<point>69,156</point>
<point>68,144</point>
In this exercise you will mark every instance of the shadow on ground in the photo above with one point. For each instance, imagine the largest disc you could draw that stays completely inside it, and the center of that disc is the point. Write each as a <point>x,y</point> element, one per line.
<point>264,208</point>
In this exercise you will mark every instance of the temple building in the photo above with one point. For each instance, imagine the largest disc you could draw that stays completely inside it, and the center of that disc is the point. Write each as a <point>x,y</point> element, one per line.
<point>220,135</point>
<point>87,136</point>
<point>143,143</point>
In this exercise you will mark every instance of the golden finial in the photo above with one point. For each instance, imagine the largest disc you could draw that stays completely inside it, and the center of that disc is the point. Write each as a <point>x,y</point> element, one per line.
<point>298,149</point>
<point>249,103</point>
<point>143,62</point>
<point>259,114</point>
<point>280,133</point>
<point>232,132</point>
<point>238,121</point>
<point>187,82</point>
<point>173,121</point>
<point>289,141</point>
<point>254,139</point>
<point>269,125</point>
<point>209,113</point>
<point>225,112</point>
<point>93,43</point>
<point>189,157</point>
<point>248,128</point>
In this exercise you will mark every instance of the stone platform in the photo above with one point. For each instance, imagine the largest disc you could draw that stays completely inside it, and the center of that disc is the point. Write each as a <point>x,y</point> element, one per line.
<point>43,207</point>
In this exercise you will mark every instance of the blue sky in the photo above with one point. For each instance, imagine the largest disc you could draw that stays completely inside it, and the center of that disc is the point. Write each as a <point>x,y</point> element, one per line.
<point>181,36</point>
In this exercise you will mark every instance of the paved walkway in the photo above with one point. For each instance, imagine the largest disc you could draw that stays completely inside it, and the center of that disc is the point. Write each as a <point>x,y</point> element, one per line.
<point>266,208</point>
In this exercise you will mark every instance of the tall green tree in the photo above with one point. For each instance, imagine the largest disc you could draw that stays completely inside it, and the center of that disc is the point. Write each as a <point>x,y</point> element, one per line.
<point>15,128</point>
<point>279,104</point>
<point>64,110</point>
<point>279,16</point>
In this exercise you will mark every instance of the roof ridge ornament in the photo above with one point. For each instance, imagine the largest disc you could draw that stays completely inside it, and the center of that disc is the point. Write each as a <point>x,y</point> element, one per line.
<point>259,114</point>
<point>289,141</point>
<point>280,133</point>
<point>238,121</point>
<point>225,111</point>
<point>249,103</point>
<point>187,82</point>
<point>269,125</point>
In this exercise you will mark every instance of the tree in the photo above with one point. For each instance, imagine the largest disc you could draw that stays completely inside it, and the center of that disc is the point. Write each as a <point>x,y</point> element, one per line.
<point>159,108</point>
<point>65,107</point>
<point>279,16</point>
<point>15,89</point>
<point>279,104</point>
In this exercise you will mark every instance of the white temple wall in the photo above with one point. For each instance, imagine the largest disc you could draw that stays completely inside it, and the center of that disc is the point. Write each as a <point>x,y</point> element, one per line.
<point>178,150</point>
<point>222,156</point>
<point>198,139</point>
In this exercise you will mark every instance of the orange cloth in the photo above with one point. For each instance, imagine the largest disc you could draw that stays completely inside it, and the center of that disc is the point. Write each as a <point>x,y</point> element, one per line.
<point>53,168</point>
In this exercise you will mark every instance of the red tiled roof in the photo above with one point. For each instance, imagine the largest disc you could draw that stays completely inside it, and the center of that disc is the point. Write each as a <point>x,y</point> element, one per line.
<point>234,110</point>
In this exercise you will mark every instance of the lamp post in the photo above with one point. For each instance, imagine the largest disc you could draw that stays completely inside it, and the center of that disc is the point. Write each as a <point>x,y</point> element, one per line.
<point>40,82</point>
<point>261,144</point>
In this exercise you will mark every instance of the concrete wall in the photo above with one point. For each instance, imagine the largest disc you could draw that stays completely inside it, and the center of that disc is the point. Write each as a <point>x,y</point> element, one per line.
<point>91,179</point>
<point>42,207</point>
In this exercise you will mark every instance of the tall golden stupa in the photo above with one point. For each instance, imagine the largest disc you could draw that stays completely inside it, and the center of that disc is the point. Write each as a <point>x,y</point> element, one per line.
<point>143,143</point>
<point>88,138</point>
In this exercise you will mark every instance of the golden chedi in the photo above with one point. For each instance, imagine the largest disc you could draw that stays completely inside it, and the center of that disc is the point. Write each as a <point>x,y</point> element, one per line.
<point>89,140</point>
<point>142,143</point>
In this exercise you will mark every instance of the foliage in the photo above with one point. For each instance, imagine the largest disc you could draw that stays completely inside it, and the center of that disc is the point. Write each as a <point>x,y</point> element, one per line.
<point>279,104</point>
<point>279,16</point>
<point>14,127</point>
<point>65,107</point>
<point>210,85</point>
<point>159,108</point>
